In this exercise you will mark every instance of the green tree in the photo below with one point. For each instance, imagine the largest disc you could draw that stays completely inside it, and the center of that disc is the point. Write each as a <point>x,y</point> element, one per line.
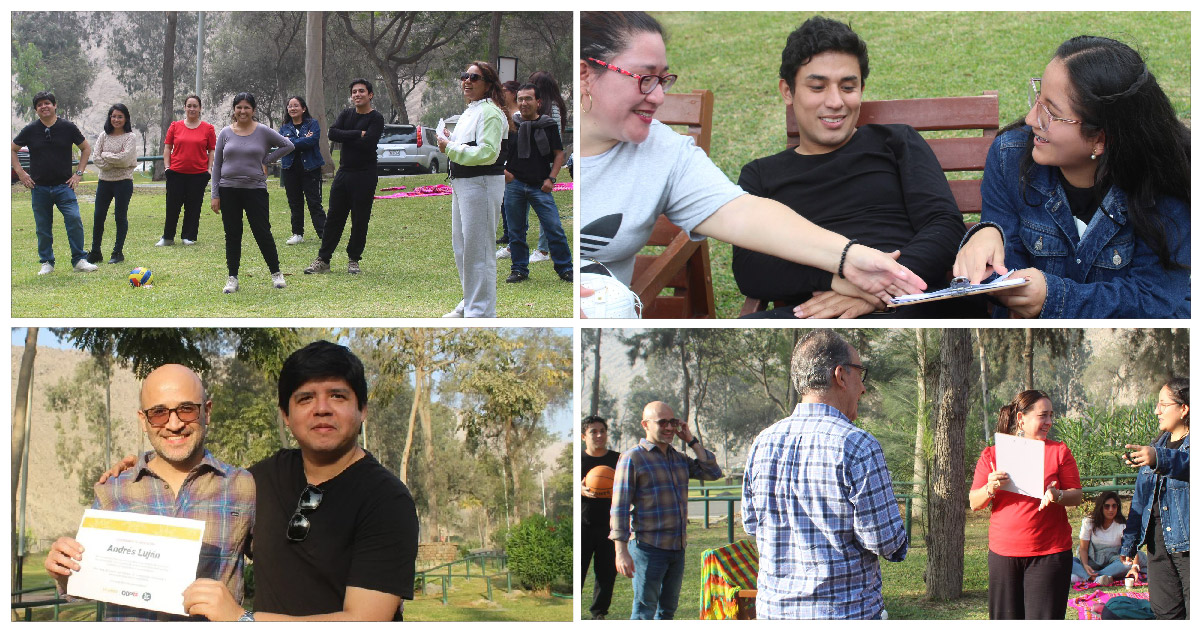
<point>82,423</point>
<point>63,67</point>
<point>269,62</point>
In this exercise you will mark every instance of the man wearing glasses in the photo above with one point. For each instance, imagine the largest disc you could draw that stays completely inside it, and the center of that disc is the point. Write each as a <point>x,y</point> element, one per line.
<point>880,185</point>
<point>181,479</point>
<point>818,498</point>
<point>352,194</point>
<point>336,533</point>
<point>50,179</point>
<point>650,502</point>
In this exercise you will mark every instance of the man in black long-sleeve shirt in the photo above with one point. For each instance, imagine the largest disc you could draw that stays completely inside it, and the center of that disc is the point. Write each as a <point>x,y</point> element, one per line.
<point>879,184</point>
<point>357,129</point>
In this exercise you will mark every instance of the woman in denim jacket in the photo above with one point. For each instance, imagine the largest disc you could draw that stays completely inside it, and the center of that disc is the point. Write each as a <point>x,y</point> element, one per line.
<point>301,174</point>
<point>1088,197</point>
<point>1158,514</point>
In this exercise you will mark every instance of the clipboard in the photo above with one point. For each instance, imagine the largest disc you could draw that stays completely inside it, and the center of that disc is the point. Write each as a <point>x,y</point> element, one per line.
<point>960,287</point>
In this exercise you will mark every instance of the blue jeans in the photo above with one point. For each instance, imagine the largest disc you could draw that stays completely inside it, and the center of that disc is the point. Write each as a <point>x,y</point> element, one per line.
<point>518,197</point>
<point>657,578</point>
<point>1116,568</point>
<point>44,200</point>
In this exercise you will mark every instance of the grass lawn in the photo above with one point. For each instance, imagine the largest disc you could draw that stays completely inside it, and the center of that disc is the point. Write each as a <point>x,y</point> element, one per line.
<point>467,601</point>
<point>913,54</point>
<point>903,582</point>
<point>408,265</point>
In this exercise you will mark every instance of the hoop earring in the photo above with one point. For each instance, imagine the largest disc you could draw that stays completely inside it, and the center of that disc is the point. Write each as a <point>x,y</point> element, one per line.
<point>587,109</point>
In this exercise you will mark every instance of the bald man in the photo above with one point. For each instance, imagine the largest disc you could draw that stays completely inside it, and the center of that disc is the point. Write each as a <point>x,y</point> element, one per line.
<point>179,478</point>
<point>650,502</point>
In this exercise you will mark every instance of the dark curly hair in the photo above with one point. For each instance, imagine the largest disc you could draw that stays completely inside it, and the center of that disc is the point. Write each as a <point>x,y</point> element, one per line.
<point>818,35</point>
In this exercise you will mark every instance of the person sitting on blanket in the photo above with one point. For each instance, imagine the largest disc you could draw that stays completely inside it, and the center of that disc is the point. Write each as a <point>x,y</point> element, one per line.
<point>1100,535</point>
<point>880,185</point>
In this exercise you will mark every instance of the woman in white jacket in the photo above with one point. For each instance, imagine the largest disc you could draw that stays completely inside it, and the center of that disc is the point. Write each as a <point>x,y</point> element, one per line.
<point>477,176</point>
<point>115,155</point>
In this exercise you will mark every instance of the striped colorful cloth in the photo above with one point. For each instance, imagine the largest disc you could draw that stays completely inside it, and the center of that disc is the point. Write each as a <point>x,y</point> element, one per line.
<point>723,572</point>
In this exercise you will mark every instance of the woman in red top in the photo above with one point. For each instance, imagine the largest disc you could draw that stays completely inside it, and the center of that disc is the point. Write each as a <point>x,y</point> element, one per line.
<point>188,156</point>
<point>1029,539</point>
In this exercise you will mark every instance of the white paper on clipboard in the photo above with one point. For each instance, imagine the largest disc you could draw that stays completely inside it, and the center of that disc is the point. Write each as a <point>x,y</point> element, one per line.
<point>1025,462</point>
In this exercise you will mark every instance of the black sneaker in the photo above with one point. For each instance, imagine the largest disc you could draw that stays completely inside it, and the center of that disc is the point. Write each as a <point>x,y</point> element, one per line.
<point>516,276</point>
<point>566,275</point>
<point>117,258</point>
<point>502,241</point>
<point>94,256</point>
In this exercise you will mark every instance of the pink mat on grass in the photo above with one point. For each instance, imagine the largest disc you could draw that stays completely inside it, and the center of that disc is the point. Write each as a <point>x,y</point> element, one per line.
<point>1091,605</point>
<point>439,190</point>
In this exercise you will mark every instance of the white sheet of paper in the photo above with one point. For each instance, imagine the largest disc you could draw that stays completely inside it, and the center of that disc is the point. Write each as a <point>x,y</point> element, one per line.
<point>1025,462</point>
<point>137,560</point>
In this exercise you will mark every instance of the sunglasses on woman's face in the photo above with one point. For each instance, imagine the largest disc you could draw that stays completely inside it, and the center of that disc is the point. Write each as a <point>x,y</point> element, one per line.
<point>470,76</point>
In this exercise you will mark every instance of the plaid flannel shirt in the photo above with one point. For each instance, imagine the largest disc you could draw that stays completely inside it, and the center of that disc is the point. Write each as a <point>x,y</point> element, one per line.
<point>650,490</point>
<point>818,499</point>
<point>217,493</point>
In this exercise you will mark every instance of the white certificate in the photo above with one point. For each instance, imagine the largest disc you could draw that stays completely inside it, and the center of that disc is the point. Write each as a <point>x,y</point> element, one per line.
<point>137,560</point>
<point>1025,462</point>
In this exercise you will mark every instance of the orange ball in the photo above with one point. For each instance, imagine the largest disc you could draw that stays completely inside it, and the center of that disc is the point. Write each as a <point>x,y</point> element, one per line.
<point>600,481</point>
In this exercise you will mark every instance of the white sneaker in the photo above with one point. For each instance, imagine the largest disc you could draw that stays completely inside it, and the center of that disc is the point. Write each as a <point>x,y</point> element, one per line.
<point>84,265</point>
<point>231,284</point>
<point>187,242</point>
<point>277,280</point>
<point>295,240</point>
<point>459,311</point>
<point>537,256</point>
<point>165,242</point>
<point>46,268</point>
<point>503,252</point>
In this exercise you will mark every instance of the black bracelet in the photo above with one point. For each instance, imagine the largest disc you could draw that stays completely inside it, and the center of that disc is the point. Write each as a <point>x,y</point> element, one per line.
<point>694,441</point>
<point>842,264</point>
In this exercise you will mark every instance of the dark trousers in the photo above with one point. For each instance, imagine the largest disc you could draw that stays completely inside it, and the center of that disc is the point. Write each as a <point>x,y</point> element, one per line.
<point>595,544</point>
<point>1168,574</point>
<point>184,190</point>
<point>1028,588</point>
<point>301,185</point>
<point>351,195</point>
<point>106,192</point>
<point>256,206</point>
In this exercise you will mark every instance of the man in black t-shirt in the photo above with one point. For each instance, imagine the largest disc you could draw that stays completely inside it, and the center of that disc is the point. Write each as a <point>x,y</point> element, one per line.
<point>535,155</point>
<point>352,194</point>
<point>335,535</point>
<point>595,542</point>
<point>879,184</point>
<point>50,179</point>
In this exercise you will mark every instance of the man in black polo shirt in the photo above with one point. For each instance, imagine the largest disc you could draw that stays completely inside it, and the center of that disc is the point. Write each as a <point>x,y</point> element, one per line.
<point>594,533</point>
<point>50,179</point>
<point>335,535</point>
<point>353,191</point>
<point>535,155</point>
<point>879,184</point>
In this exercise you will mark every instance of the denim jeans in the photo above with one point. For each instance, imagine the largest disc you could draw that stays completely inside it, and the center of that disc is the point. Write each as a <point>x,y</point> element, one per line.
<point>657,578</point>
<point>1116,568</point>
<point>44,200</point>
<point>518,197</point>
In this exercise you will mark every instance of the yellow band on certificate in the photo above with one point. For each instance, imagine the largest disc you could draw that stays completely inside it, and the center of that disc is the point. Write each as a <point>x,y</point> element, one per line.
<point>150,529</point>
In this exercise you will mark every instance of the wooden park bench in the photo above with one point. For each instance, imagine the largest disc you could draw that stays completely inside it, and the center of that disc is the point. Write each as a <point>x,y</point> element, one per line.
<point>959,154</point>
<point>683,267</point>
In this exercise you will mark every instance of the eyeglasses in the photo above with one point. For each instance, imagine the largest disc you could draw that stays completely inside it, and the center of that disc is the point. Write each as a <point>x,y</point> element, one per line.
<point>860,367</point>
<point>470,76</point>
<point>298,526</point>
<point>159,415</point>
<point>1044,117</point>
<point>646,82</point>
<point>670,422</point>
<point>1111,506</point>
<point>1165,405</point>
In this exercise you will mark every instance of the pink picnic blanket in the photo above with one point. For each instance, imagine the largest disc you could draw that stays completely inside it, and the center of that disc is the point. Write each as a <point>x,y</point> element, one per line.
<point>438,190</point>
<point>1091,605</point>
<point>1083,586</point>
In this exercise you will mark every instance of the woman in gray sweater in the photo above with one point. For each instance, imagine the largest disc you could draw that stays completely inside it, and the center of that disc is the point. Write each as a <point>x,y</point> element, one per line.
<point>239,175</point>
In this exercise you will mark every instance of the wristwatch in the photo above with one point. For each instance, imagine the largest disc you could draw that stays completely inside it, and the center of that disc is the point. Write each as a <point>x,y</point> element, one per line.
<point>553,180</point>
<point>694,442</point>
<point>247,615</point>
<point>79,173</point>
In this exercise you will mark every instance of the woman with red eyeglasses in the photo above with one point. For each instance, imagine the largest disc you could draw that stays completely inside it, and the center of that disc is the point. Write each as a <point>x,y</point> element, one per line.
<point>1089,196</point>
<point>477,177</point>
<point>634,168</point>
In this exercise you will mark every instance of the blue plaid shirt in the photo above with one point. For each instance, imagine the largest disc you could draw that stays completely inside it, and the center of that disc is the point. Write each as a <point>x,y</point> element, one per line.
<point>217,493</point>
<point>818,499</point>
<point>650,494</point>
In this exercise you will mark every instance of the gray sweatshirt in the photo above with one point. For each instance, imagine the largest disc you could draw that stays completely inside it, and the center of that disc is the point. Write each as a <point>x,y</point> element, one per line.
<point>238,161</point>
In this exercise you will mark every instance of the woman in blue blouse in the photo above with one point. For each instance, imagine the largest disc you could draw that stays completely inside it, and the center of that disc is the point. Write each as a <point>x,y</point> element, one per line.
<point>301,174</point>
<point>1088,197</point>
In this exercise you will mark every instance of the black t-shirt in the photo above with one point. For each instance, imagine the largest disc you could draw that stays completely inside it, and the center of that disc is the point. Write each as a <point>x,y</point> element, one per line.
<point>534,169</point>
<point>595,511</point>
<point>358,151</point>
<point>49,153</point>
<point>884,187</point>
<point>1083,201</point>
<point>364,534</point>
